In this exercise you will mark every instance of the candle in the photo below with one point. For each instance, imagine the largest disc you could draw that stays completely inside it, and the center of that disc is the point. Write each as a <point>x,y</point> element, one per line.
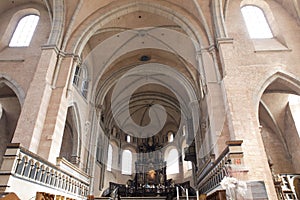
<point>187,194</point>
<point>177,192</point>
<point>197,193</point>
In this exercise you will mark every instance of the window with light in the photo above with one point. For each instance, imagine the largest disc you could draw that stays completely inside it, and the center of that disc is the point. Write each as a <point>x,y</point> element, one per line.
<point>127,162</point>
<point>172,162</point>
<point>80,80</point>
<point>256,22</point>
<point>109,157</point>
<point>24,31</point>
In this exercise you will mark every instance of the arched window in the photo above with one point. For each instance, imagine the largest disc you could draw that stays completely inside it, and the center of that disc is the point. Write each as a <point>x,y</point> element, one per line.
<point>80,80</point>
<point>184,130</point>
<point>170,137</point>
<point>24,31</point>
<point>256,22</point>
<point>127,162</point>
<point>109,157</point>
<point>128,138</point>
<point>172,162</point>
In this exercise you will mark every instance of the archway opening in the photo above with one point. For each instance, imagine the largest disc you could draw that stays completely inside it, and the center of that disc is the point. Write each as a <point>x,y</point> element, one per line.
<point>10,110</point>
<point>69,148</point>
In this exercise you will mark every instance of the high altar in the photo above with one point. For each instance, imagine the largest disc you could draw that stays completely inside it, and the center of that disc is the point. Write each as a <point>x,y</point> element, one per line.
<point>150,173</point>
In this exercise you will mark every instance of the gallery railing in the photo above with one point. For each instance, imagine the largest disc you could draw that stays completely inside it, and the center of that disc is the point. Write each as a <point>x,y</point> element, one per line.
<point>31,169</point>
<point>287,186</point>
<point>214,171</point>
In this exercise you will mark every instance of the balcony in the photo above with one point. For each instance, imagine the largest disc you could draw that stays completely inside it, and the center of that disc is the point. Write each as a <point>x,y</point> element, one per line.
<point>287,186</point>
<point>27,174</point>
<point>213,172</point>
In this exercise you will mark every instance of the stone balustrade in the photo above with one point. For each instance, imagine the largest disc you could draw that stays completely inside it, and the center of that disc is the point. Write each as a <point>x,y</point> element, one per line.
<point>21,168</point>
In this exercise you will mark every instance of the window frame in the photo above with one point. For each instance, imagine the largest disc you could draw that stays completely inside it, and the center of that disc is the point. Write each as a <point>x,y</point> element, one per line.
<point>171,163</point>
<point>261,17</point>
<point>81,81</point>
<point>109,158</point>
<point>15,36</point>
<point>126,160</point>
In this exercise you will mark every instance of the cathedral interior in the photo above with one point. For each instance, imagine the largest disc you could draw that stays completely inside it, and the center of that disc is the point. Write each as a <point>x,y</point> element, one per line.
<point>149,99</point>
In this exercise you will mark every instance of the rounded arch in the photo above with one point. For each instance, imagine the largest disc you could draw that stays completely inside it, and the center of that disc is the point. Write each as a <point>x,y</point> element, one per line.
<point>264,6</point>
<point>57,28</point>
<point>130,147</point>
<point>14,20</point>
<point>12,84</point>
<point>187,63</point>
<point>127,159</point>
<point>172,159</point>
<point>184,19</point>
<point>168,149</point>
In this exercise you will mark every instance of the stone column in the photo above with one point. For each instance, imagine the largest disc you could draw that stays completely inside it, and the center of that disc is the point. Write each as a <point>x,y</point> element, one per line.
<point>242,120</point>
<point>32,117</point>
<point>51,138</point>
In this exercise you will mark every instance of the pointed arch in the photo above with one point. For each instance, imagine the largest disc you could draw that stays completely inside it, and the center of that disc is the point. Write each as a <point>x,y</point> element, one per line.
<point>72,135</point>
<point>286,78</point>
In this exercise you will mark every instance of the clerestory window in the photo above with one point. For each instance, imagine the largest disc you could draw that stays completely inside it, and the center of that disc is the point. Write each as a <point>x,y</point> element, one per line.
<point>256,22</point>
<point>127,162</point>
<point>24,31</point>
<point>109,157</point>
<point>80,80</point>
<point>173,162</point>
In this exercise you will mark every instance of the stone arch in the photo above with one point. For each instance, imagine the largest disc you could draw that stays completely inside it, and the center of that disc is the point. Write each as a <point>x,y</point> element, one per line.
<point>71,143</point>
<point>14,86</point>
<point>277,127</point>
<point>170,160</point>
<point>289,79</point>
<point>57,28</point>
<point>14,20</point>
<point>264,6</point>
<point>10,109</point>
<point>95,21</point>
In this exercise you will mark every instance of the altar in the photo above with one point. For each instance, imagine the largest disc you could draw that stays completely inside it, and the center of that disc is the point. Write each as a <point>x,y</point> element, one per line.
<point>150,175</point>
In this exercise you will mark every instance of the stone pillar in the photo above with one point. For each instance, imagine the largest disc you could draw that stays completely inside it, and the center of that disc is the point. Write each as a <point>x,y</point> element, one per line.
<point>51,138</point>
<point>32,117</point>
<point>242,120</point>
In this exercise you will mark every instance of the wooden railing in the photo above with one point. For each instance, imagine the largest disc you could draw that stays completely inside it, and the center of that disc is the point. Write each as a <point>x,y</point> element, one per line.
<point>26,168</point>
<point>214,171</point>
